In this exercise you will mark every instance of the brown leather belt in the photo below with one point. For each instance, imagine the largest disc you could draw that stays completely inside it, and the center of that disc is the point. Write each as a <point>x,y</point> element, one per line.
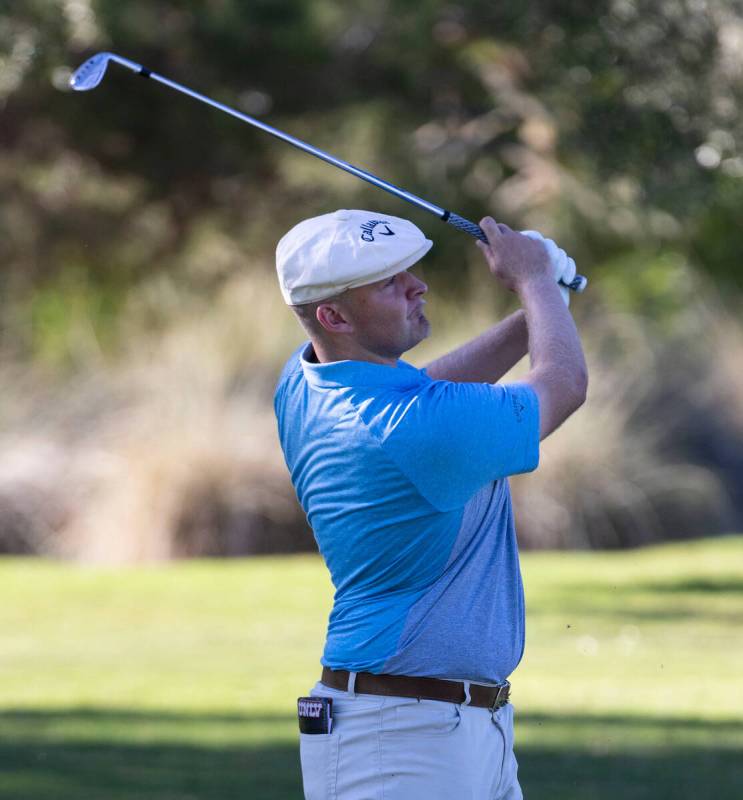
<point>491,697</point>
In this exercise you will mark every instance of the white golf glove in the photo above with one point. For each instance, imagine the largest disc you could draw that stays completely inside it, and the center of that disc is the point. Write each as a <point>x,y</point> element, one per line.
<point>563,266</point>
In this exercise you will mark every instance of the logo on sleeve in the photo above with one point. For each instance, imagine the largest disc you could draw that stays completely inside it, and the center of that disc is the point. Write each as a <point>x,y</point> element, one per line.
<point>518,408</point>
<point>368,229</point>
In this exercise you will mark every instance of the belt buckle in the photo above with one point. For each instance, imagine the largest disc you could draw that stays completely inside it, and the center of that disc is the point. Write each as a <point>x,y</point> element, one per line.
<point>501,698</point>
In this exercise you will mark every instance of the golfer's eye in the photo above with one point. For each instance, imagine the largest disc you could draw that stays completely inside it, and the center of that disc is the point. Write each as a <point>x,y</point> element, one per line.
<point>390,281</point>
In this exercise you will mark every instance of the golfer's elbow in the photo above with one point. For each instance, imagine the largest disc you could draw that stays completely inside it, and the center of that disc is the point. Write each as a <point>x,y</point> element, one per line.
<point>571,394</point>
<point>571,388</point>
<point>578,390</point>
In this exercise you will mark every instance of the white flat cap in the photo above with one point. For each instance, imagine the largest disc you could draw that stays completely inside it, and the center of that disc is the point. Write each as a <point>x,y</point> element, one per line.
<point>323,256</point>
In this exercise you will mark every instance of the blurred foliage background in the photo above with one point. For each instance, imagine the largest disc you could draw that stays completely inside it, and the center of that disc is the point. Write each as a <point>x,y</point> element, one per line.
<point>142,330</point>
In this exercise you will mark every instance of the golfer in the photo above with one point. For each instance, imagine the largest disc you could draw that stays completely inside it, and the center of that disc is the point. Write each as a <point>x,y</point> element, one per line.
<point>402,473</point>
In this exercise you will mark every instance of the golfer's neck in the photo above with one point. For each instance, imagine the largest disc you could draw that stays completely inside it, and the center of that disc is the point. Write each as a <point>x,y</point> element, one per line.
<point>349,351</point>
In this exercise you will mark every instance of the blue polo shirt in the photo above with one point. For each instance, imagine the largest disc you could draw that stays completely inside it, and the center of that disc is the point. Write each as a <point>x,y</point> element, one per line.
<point>403,481</point>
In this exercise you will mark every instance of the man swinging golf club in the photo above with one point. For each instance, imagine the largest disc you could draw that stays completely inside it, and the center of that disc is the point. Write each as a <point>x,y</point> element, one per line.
<point>402,473</point>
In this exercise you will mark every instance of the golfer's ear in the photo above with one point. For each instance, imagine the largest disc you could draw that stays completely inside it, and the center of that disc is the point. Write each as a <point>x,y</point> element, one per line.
<point>333,319</point>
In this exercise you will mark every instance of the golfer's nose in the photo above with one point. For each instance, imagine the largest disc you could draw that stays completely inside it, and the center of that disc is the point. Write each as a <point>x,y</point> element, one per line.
<point>417,286</point>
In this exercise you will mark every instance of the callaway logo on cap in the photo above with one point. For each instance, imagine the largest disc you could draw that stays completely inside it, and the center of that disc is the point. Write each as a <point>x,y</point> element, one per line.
<point>323,256</point>
<point>368,229</point>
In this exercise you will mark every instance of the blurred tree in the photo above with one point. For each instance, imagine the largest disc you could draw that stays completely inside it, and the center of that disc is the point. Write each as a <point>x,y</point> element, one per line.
<point>612,129</point>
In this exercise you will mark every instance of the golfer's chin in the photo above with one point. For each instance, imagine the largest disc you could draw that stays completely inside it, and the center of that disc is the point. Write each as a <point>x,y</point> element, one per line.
<point>420,329</point>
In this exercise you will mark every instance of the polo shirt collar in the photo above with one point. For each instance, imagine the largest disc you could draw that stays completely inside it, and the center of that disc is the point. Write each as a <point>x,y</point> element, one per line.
<point>339,374</point>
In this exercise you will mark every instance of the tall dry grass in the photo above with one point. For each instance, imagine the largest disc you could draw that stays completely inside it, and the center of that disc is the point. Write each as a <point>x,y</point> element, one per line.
<point>168,453</point>
<point>625,471</point>
<point>172,450</point>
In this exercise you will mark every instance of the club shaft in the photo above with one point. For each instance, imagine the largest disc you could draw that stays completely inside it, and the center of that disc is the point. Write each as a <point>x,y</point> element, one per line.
<point>461,223</point>
<point>308,148</point>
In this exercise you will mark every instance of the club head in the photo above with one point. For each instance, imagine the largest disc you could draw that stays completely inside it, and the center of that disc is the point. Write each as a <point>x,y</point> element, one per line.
<point>88,75</point>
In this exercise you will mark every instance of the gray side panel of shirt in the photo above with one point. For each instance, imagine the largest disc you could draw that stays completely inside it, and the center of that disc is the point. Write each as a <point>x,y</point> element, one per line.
<point>470,624</point>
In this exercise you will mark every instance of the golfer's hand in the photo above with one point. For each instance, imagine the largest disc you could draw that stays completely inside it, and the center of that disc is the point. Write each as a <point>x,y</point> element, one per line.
<point>562,265</point>
<point>514,259</point>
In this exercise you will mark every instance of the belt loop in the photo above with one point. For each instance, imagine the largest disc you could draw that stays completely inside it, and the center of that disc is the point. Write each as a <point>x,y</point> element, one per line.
<point>351,688</point>
<point>467,698</point>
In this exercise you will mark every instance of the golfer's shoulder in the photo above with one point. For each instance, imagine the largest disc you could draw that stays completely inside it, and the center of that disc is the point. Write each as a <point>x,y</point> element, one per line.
<point>455,393</point>
<point>449,406</point>
<point>432,408</point>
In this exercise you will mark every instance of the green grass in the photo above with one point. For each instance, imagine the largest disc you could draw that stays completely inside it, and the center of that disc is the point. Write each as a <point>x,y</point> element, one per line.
<point>180,681</point>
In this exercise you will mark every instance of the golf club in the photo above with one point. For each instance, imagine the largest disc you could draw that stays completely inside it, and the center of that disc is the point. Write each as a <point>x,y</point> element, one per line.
<point>91,73</point>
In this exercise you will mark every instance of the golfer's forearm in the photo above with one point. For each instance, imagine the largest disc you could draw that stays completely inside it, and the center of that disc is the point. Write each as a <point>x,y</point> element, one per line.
<point>488,357</point>
<point>558,367</point>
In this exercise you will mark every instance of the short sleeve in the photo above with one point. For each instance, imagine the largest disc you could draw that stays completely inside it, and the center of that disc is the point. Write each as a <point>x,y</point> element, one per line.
<point>450,438</point>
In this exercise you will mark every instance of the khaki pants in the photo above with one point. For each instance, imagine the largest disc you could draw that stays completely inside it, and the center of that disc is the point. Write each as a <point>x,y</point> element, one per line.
<point>400,748</point>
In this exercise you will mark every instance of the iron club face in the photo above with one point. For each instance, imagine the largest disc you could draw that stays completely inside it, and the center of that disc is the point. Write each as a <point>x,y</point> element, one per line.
<point>88,75</point>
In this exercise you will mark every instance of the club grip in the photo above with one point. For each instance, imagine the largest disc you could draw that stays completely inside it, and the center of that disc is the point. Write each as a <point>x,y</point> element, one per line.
<point>578,284</point>
<point>467,226</point>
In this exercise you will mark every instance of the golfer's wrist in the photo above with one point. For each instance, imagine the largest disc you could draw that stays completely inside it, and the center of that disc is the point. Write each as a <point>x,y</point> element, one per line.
<point>536,285</point>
